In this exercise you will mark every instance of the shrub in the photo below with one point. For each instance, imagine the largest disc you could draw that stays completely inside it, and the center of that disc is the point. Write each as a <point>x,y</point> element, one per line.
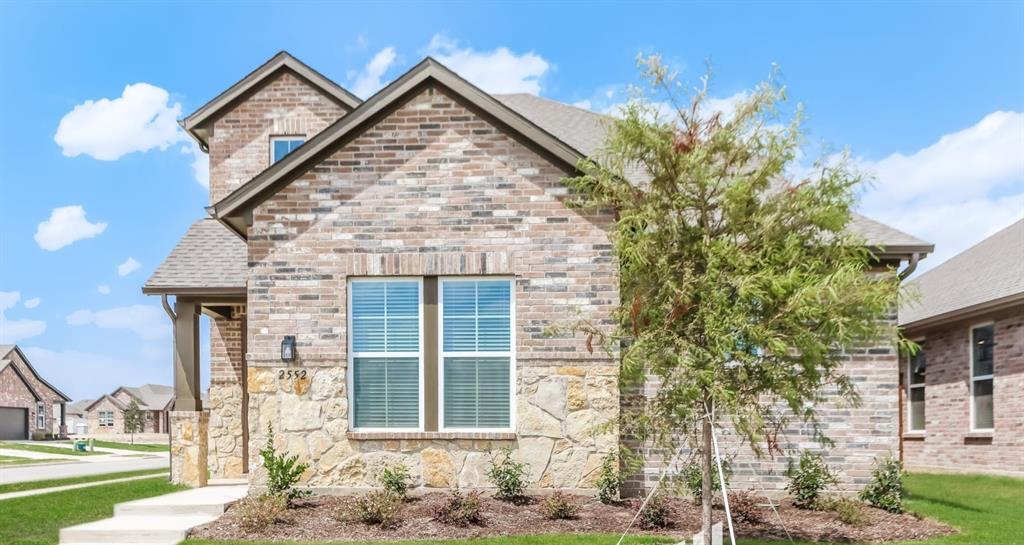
<point>693,478</point>
<point>808,479</point>
<point>259,512</point>
<point>560,506</point>
<point>283,471</point>
<point>744,509</point>
<point>459,510</point>
<point>847,510</point>
<point>378,508</point>
<point>609,479</point>
<point>507,475</point>
<point>656,514</point>
<point>885,491</point>
<point>395,479</point>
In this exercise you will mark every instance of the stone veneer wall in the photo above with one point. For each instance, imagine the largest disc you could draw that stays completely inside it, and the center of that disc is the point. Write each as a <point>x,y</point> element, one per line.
<point>226,406</point>
<point>432,189</point>
<point>240,145</point>
<point>947,443</point>
<point>189,437</point>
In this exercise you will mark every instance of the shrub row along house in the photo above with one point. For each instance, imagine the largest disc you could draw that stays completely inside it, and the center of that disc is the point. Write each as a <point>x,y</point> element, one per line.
<point>30,407</point>
<point>964,388</point>
<point>379,276</point>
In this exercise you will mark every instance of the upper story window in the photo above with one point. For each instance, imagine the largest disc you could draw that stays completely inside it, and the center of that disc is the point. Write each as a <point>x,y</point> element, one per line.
<point>983,341</point>
<point>915,389</point>
<point>283,145</point>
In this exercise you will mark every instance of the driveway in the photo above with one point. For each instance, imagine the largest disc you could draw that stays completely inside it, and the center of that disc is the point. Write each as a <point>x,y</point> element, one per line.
<point>77,468</point>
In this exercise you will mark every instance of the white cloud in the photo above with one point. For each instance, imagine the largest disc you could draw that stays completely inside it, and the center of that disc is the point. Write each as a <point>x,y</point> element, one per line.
<point>200,163</point>
<point>88,375</point>
<point>148,322</point>
<point>953,193</point>
<point>104,289</point>
<point>12,331</point>
<point>585,104</point>
<point>498,71</point>
<point>33,302</point>
<point>127,267</point>
<point>369,80</point>
<point>66,226</point>
<point>106,129</point>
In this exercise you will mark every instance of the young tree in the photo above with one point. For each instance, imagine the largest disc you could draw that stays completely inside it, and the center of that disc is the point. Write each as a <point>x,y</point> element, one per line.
<point>134,420</point>
<point>740,283</point>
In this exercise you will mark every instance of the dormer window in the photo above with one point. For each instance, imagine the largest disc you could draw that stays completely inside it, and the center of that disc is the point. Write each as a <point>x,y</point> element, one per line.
<point>283,145</point>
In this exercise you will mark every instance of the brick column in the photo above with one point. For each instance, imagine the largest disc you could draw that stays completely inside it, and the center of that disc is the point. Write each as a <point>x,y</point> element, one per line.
<point>189,445</point>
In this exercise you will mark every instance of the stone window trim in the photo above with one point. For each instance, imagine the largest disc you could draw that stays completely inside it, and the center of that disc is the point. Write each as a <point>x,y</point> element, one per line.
<point>973,430</point>
<point>430,435</point>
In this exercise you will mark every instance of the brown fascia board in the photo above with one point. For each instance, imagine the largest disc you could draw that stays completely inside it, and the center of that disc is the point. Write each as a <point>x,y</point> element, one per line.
<point>972,311</point>
<point>234,291</point>
<point>194,123</point>
<point>36,374</point>
<point>24,380</point>
<point>902,252</point>
<point>233,209</point>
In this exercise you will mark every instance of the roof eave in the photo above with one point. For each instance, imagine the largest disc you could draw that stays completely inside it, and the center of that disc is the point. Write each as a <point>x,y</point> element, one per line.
<point>233,291</point>
<point>994,305</point>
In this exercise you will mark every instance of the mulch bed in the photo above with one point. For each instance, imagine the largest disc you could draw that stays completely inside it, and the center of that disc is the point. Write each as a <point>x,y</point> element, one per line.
<point>311,520</point>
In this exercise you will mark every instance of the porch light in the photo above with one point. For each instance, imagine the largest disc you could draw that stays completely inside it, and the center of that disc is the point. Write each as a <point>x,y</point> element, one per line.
<point>288,348</point>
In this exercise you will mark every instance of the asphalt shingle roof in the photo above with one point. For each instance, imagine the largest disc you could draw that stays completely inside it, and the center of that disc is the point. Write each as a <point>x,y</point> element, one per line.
<point>154,397</point>
<point>989,271</point>
<point>208,256</point>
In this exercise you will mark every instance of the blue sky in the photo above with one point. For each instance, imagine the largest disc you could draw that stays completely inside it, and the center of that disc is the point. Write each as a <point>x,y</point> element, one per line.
<point>929,97</point>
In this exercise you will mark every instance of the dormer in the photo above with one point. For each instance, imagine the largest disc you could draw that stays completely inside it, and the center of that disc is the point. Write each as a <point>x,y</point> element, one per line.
<point>264,116</point>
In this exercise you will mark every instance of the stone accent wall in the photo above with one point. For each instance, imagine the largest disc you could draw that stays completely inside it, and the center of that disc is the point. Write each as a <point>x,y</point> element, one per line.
<point>240,144</point>
<point>189,432</point>
<point>432,189</point>
<point>14,393</point>
<point>947,443</point>
<point>225,398</point>
<point>93,416</point>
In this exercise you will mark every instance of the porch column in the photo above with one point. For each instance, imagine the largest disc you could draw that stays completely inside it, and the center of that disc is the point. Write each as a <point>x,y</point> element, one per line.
<point>189,423</point>
<point>186,357</point>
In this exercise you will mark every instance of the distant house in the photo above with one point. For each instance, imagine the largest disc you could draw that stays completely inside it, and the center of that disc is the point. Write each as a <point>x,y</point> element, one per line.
<point>30,407</point>
<point>963,392</point>
<point>105,415</point>
<point>77,422</point>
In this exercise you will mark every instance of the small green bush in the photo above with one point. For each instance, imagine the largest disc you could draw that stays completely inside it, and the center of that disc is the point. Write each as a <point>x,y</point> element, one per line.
<point>885,491</point>
<point>609,479</point>
<point>283,471</point>
<point>693,478</point>
<point>744,508</point>
<point>507,475</point>
<point>259,512</point>
<point>378,508</point>
<point>847,510</point>
<point>560,506</point>
<point>656,514</point>
<point>395,480</point>
<point>459,510</point>
<point>808,480</point>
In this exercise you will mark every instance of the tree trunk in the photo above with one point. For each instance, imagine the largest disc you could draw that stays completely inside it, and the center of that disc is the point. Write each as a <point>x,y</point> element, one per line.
<point>706,493</point>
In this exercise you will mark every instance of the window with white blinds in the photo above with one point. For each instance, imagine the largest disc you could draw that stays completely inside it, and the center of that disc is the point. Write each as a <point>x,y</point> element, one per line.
<point>385,353</point>
<point>476,354</point>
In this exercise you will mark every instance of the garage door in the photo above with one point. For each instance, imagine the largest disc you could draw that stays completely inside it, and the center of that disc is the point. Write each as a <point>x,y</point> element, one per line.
<point>13,423</point>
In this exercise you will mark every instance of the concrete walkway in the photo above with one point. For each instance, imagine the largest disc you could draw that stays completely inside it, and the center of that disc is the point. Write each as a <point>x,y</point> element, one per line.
<point>37,491</point>
<point>64,469</point>
<point>163,520</point>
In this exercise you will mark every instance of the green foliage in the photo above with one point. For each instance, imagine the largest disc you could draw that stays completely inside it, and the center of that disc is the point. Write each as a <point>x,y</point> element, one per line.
<point>744,508</point>
<point>283,471</point>
<point>693,478</point>
<point>808,479</point>
<point>395,480</point>
<point>656,514</point>
<point>507,475</point>
<point>885,491</point>
<point>560,506</point>
<point>259,512</point>
<point>459,510</point>
<point>847,510</point>
<point>609,479</point>
<point>134,419</point>
<point>378,508</point>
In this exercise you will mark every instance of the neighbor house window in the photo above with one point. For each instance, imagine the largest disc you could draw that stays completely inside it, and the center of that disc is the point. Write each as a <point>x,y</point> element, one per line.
<point>283,145</point>
<point>385,357</point>
<point>476,354</point>
<point>40,415</point>
<point>915,389</point>
<point>982,366</point>
<point>106,419</point>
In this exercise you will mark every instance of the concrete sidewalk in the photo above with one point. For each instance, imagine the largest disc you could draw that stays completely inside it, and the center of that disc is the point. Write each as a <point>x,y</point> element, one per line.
<point>41,472</point>
<point>37,491</point>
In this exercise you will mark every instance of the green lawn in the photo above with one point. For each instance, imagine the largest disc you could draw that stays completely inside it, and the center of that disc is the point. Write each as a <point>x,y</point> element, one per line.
<point>48,449</point>
<point>128,446</point>
<point>36,520</point>
<point>18,460</point>
<point>35,485</point>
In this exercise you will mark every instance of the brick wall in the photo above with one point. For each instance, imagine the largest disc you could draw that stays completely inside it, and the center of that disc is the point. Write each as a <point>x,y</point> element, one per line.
<point>240,144</point>
<point>13,393</point>
<point>947,443</point>
<point>93,416</point>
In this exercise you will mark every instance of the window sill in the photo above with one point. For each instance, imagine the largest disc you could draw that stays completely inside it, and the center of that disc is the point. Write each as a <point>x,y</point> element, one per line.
<point>914,435</point>
<point>429,435</point>
<point>987,434</point>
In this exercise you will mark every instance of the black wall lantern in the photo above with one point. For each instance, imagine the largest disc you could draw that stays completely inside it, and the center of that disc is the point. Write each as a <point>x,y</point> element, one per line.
<point>288,348</point>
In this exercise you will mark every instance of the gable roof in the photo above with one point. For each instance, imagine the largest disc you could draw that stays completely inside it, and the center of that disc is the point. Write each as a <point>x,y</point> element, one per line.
<point>984,277</point>
<point>4,364</point>
<point>78,407</point>
<point>150,397</point>
<point>197,123</point>
<point>113,400</point>
<point>208,259</point>
<point>5,351</point>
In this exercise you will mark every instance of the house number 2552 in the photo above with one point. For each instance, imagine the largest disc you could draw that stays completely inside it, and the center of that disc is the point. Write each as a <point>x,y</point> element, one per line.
<point>291,373</point>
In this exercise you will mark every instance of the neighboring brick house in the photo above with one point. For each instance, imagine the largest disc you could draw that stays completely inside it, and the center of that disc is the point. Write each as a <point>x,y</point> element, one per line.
<point>77,420</point>
<point>964,390</point>
<point>30,407</point>
<point>379,276</point>
<point>105,416</point>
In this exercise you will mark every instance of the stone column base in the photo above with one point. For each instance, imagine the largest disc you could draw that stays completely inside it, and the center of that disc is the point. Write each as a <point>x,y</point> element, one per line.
<point>189,447</point>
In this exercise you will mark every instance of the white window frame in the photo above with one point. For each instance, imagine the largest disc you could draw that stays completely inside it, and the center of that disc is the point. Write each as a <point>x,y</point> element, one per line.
<point>284,137</point>
<point>40,415</point>
<point>104,421</point>
<point>911,386</point>
<point>350,372</point>
<point>511,354</point>
<point>973,378</point>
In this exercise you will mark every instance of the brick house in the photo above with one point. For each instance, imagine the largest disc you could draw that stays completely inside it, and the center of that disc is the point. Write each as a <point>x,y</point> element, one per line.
<point>964,390</point>
<point>378,277</point>
<point>105,415</point>
<point>30,407</point>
